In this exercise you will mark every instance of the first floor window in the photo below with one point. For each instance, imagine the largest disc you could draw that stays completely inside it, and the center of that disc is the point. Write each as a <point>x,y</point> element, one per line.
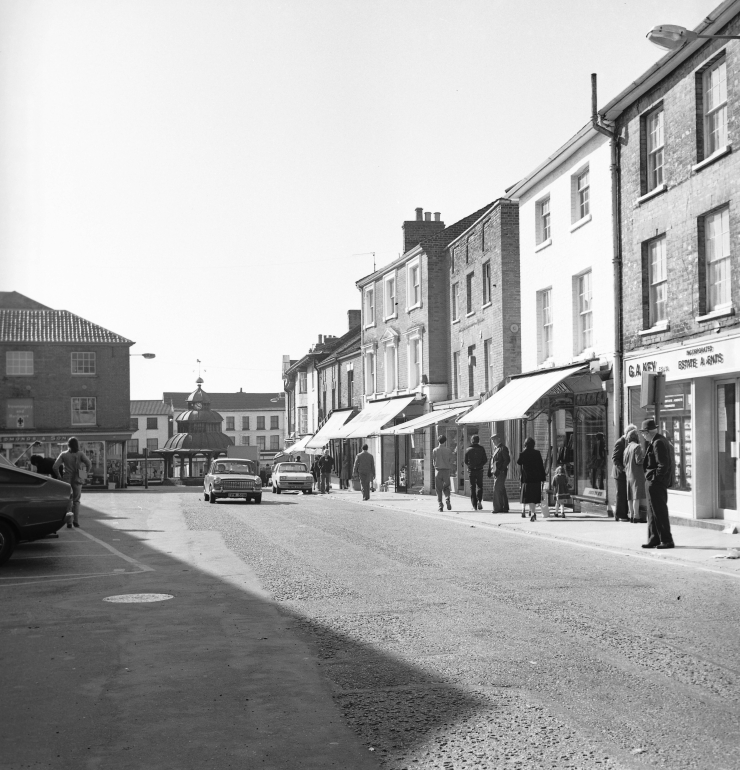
<point>454,302</point>
<point>302,382</point>
<point>245,423</point>
<point>152,423</point>
<point>455,374</point>
<point>488,363</point>
<point>18,362</point>
<point>350,387</point>
<point>717,256</point>
<point>369,307</point>
<point>152,443</point>
<point>274,443</point>
<point>486,282</point>
<point>585,312</point>
<point>245,440</point>
<point>261,443</point>
<point>390,368</point>
<point>302,420</point>
<point>390,295</point>
<point>260,423</point>
<point>132,446</point>
<point>133,423</point>
<point>715,107</point>
<point>83,363</point>
<point>414,362</point>
<point>414,274</point>
<point>583,191</point>
<point>543,220</point>
<point>469,293</point>
<point>655,144</point>
<point>471,371</point>
<point>658,281</point>
<point>545,309</point>
<point>229,423</point>
<point>83,411</point>
<point>274,422</point>
<point>369,373</point>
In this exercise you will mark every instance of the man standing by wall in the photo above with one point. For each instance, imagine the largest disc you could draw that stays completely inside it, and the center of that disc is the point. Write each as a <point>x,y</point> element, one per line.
<point>476,459</point>
<point>364,468</point>
<point>499,468</point>
<point>443,460</point>
<point>658,464</point>
<point>325,463</point>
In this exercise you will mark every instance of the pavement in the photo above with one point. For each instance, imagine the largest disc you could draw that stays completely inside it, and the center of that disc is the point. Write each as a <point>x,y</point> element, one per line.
<point>695,547</point>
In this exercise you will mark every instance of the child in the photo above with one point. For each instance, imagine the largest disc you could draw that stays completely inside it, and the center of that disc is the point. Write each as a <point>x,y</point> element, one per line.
<point>561,487</point>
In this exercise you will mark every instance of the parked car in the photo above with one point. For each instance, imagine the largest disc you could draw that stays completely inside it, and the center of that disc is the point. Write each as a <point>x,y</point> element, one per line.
<point>292,476</point>
<point>233,477</point>
<point>31,506</point>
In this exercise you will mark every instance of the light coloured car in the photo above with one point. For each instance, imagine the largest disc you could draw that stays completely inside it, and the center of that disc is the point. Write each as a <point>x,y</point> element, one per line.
<point>292,476</point>
<point>230,477</point>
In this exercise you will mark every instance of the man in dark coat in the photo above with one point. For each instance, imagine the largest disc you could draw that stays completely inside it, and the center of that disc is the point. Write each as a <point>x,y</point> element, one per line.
<point>621,513</point>
<point>43,465</point>
<point>658,465</point>
<point>499,467</point>
<point>476,460</point>
<point>325,465</point>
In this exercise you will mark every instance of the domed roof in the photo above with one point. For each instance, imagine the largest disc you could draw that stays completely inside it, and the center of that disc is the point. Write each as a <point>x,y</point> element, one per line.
<point>205,442</point>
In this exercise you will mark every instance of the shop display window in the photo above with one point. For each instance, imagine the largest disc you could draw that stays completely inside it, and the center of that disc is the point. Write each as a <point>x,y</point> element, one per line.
<point>675,425</point>
<point>95,451</point>
<point>591,449</point>
<point>415,480</point>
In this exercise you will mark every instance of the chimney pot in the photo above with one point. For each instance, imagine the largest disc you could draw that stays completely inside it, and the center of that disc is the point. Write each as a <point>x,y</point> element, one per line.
<point>321,339</point>
<point>419,215</point>
<point>427,216</point>
<point>437,216</point>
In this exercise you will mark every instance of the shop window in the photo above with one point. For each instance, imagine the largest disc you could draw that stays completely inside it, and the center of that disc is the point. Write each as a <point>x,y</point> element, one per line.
<point>591,449</point>
<point>84,411</point>
<point>245,423</point>
<point>152,423</point>
<point>274,422</point>
<point>83,363</point>
<point>19,362</point>
<point>152,443</point>
<point>675,425</point>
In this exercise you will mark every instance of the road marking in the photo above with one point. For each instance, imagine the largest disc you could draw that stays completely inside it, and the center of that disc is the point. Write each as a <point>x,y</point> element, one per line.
<point>142,567</point>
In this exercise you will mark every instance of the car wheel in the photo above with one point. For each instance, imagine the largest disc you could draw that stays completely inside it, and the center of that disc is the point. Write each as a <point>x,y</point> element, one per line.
<point>211,497</point>
<point>257,498</point>
<point>7,541</point>
<point>277,490</point>
<point>309,491</point>
<point>205,495</point>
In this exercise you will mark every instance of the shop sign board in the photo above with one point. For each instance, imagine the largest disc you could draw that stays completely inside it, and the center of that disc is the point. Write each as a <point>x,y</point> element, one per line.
<point>703,358</point>
<point>19,413</point>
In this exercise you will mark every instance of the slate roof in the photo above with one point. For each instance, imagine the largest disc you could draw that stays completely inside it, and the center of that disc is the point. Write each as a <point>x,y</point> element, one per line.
<point>149,407</point>
<point>53,326</point>
<point>227,402</point>
<point>13,300</point>
<point>346,343</point>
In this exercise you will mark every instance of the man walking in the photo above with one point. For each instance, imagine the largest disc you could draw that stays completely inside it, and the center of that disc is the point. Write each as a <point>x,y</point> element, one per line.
<point>499,468</point>
<point>476,459</point>
<point>443,461</point>
<point>364,467</point>
<point>658,464</point>
<point>325,464</point>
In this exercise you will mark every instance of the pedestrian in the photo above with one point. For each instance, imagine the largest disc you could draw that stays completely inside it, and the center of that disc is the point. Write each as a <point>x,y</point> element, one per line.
<point>499,468</point>
<point>476,459</point>
<point>443,461</point>
<point>621,509</point>
<point>75,466</point>
<point>43,465</point>
<point>325,464</point>
<point>532,477</point>
<point>561,487</point>
<point>633,457</point>
<point>364,467</point>
<point>346,472</point>
<point>658,467</point>
<point>315,473</point>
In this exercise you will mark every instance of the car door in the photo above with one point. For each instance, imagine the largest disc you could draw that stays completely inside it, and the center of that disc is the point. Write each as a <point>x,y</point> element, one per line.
<point>29,499</point>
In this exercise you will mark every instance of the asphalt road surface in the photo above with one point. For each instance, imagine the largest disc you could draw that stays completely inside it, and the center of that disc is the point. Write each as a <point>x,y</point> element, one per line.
<point>364,637</point>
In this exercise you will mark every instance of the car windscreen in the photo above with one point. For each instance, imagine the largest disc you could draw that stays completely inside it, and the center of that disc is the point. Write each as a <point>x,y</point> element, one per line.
<point>293,468</point>
<point>244,466</point>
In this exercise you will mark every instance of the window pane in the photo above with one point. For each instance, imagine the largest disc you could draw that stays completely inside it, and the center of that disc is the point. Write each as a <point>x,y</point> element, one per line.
<point>83,411</point>
<point>19,362</point>
<point>83,363</point>
<point>717,254</point>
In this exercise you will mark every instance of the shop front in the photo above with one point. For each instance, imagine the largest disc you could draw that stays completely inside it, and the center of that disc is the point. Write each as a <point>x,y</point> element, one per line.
<point>700,416</point>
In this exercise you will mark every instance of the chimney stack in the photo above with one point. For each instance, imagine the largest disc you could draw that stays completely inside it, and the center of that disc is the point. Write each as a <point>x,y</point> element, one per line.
<point>415,230</point>
<point>321,339</point>
<point>353,319</point>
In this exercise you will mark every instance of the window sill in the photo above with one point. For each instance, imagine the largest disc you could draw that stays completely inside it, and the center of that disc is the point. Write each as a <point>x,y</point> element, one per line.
<point>657,329</point>
<point>726,150</point>
<point>488,304</point>
<point>652,194</point>
<point>470,314</point>
<point>721,312</point>
<point>390,317</point>
<point>456,321</point>
<point>580,223</point>
<point>413,307</point>
<point>369,326</point>
<point>543,245</point>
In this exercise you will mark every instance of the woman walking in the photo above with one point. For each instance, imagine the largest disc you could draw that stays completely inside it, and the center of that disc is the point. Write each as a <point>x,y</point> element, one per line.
<point>532,476</point>
<point>633,457</point>
<point>75,466</point>
<point>346,470</point>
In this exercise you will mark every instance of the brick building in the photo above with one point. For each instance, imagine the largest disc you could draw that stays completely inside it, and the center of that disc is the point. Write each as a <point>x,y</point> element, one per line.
<point>680,189</point>
<point>63,376</point>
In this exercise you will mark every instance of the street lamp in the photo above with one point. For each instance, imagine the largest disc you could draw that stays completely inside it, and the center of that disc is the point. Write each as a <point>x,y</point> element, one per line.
<point>671,36</point>
<point>144,355</point>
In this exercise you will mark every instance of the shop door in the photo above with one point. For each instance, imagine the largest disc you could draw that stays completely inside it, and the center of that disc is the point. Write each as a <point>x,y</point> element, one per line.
<point>402,456</point>
<point>727,444</point>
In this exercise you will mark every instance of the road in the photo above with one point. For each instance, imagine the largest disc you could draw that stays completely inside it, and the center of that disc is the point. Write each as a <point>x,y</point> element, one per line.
<point>326,632</point>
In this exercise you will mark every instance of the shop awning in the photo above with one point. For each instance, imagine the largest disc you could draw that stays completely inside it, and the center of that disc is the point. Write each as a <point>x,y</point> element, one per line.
<point>299,446</point>
<point>514,400</point>
<point>373,417</point>
<point>432,418</point>
<point>336,420</point>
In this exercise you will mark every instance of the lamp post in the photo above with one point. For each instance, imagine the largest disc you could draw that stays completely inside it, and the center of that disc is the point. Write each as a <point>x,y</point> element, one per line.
<point>124,459</point>
<point>144,355</point>
<point>672,36</point>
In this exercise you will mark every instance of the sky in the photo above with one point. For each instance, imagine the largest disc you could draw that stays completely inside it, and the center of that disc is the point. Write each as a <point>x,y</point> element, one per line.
<point>209,178</point>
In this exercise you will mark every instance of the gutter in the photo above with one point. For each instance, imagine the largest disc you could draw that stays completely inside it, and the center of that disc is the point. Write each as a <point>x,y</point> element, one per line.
<point>614,142</point>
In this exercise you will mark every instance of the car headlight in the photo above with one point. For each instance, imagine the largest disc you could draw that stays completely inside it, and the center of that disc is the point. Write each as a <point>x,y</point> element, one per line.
<point>283,478</point>
<point>258,482</point>
<point>217,481</point>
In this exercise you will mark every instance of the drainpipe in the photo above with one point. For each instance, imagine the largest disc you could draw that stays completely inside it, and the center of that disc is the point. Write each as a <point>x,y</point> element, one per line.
<point>616,259</point>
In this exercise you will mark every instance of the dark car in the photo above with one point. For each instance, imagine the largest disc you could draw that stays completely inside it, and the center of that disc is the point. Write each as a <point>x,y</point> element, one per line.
<point>31,506</point>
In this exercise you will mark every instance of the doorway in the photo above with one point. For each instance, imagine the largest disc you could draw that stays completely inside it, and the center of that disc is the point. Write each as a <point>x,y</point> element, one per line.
<point>727,445</point>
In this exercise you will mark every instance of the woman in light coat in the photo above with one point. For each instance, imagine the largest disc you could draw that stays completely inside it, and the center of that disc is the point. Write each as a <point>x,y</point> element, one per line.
<point>73,461</point>
<point>633,457</point>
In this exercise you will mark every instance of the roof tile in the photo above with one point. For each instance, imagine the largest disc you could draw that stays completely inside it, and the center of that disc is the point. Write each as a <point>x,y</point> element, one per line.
<point>53,326</point>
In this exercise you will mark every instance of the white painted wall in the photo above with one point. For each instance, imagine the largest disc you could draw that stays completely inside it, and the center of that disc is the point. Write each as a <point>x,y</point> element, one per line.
<point>590,246</point>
